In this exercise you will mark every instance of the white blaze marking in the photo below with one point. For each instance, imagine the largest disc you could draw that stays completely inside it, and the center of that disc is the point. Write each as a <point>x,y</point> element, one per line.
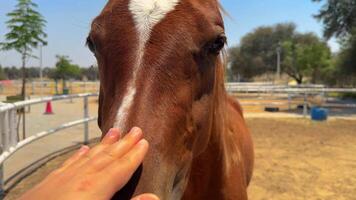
<point>146,14</point>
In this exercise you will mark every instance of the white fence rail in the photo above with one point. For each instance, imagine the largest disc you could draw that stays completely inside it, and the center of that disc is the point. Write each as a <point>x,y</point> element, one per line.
<point>238,87</point>
<point>290,92</point>
<point>9,139</point>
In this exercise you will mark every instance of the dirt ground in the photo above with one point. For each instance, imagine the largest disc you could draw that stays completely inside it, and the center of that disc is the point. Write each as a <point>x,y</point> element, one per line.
<point>299,159</point>
<point>295,159</point>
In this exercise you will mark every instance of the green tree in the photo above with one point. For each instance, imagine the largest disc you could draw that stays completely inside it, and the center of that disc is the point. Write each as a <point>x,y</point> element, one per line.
<point>2,73</point>
<point>237,67</point>
<point>26,32</point>
<point>65,70</point>
<point>305,55</point>
<point>91,73</point>
<point>33,72</point>
<point>338,17</point>
<point>346,61</point>
<point>12,72</point>
<point>256,53</point>
<point>302,54</point>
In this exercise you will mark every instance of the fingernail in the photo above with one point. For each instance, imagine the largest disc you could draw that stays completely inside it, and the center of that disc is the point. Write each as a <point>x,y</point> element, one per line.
<point>146,196</point>
<point>136,131</point>
<point>83,149</point>
<point>112,133</point>
<point>142,143</point>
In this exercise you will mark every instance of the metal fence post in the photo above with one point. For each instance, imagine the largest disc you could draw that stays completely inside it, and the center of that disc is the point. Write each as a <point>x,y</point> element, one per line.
<point>305,105</point>
<point>289,101</point>
<point>12,127</point>
<point>2,190</point>
<point>86,124</point>
<point>85,86</point>
<point>3,131</point>
<point>33,88</point>
<point>23,122</point>
<point>29,106</point>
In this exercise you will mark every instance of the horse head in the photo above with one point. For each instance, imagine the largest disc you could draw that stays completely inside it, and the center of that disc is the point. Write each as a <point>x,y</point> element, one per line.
<point>160,66</point>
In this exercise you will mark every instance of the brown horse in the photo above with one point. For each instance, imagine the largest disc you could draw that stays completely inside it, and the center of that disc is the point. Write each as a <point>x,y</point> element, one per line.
<point>161,69</point>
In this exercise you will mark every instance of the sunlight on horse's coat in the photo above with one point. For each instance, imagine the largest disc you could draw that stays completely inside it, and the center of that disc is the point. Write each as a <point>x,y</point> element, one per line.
<point>146,14</point>
<point>161,69</point>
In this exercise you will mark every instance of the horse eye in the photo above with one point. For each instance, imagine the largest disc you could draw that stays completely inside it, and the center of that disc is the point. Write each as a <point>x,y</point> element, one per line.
<point>91,45</point>
<point>218,44</point>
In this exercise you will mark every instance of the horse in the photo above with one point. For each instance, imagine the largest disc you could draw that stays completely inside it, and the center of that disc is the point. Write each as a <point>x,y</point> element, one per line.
<point>161,68</point>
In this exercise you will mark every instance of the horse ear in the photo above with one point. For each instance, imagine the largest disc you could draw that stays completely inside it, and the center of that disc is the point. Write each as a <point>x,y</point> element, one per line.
<point>224,11</point>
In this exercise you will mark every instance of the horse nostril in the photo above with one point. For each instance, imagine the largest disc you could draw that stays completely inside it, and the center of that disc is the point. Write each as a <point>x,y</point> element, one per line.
<point>177,180</point>
<point>179,183</point>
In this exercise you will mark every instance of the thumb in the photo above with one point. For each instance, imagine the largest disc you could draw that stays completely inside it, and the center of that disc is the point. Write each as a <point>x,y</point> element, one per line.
<point>146,197</point>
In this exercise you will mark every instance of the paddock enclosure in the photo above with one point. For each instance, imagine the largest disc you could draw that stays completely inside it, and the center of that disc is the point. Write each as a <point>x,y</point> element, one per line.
<point>296,158</point>
<point>48,87</point>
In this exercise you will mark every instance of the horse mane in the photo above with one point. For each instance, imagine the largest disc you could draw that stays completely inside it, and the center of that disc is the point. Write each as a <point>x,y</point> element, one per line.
<point>230,152</point>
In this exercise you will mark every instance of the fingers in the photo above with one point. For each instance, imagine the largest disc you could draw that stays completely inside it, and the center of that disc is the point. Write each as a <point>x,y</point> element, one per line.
<point>111,162</point>
<point>81,152</point>
<point>146,197</point>
<point>126,144</point>
<point>119,172</point>
<point>115,151</point>
<point>110,138</point>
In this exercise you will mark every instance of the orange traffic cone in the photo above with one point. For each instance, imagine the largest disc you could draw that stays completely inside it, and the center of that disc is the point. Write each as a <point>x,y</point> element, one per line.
<point>49,110</point>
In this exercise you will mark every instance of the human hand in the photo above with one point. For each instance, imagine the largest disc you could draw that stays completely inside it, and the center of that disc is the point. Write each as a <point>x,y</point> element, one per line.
<point>97,173</point>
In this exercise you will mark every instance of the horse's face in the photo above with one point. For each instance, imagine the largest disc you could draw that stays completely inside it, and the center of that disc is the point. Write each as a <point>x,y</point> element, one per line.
<point>157,61</point>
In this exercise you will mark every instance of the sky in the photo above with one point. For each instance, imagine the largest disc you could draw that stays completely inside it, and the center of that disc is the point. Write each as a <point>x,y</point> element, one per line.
<point>69,22</point>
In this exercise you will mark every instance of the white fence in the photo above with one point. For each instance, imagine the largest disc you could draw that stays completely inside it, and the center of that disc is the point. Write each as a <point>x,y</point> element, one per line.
<point>48,87</point>
<point>304,94</point>
<point>9,139</point>
<point>268,88</point>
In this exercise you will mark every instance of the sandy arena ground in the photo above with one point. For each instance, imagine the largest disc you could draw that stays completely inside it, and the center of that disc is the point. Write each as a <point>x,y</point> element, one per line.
<point>295,159</point>
<point>300,159</point>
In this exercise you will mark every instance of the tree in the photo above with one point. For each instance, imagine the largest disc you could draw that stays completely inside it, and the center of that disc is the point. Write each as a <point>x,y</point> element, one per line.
<point>302,54</point>
<point>91,73</point>
<point>2,74</point>
<point>26,33</point>
<point>65,70</point>
<point>346,61</point>
<point>305,55</point>
<point>12,72</point>
<point>237,67</point>
<point>338,17</point>
<point>256,54</point>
